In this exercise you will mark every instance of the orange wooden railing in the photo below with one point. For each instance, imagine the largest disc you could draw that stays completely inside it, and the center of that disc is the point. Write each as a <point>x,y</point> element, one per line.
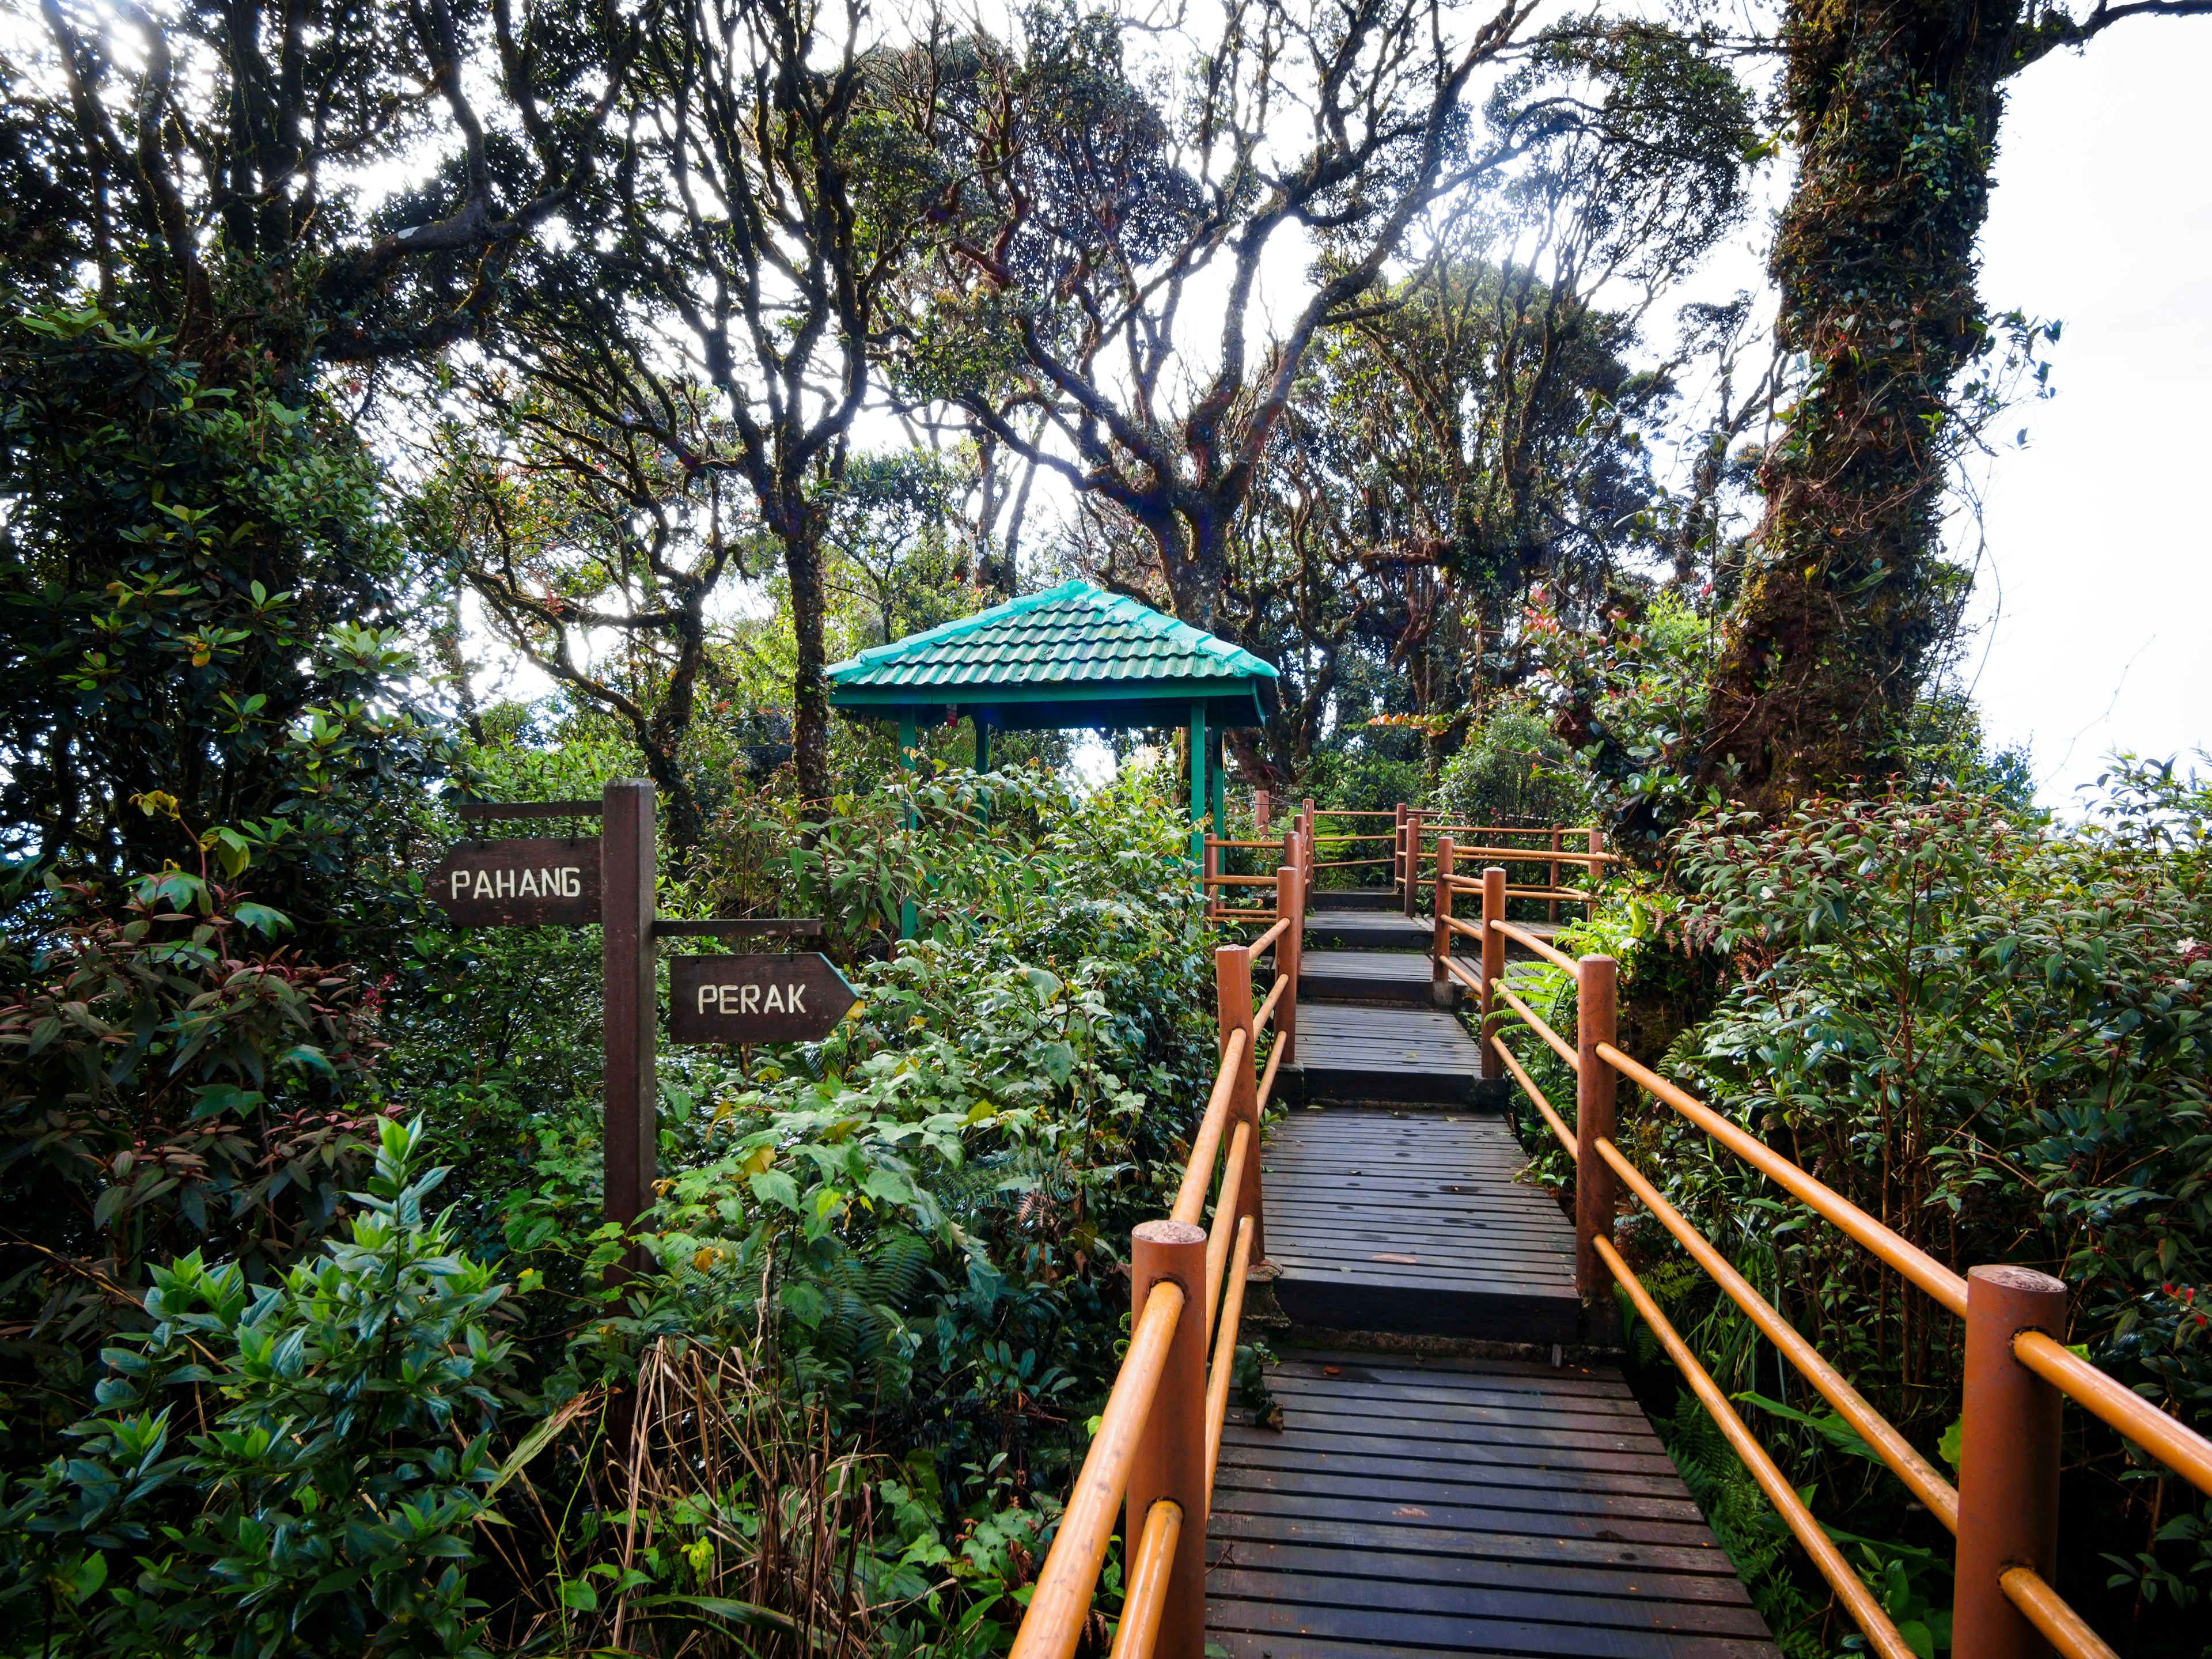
<point>1159,1438</point>
<point>2004,1510</point>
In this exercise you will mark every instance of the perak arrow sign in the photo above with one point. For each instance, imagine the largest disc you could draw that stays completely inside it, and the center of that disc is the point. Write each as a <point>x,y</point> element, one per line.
<point>766,998</point>
<point>519,883</point>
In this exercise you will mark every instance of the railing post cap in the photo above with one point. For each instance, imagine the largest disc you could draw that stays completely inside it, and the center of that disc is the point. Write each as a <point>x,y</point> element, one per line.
<point>1168,1233</point>
<point>2003,1277</point>
<point>1600,959</point>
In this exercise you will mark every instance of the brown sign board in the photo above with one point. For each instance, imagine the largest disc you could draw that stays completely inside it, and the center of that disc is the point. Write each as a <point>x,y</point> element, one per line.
<point>770,997</point>
<point>519,883</point>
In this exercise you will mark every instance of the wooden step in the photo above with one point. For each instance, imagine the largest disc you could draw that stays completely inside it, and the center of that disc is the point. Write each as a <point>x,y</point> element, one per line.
<point>1367,930</point>
<point>1382,931</point>
<point>1396,977</point>
<point>1372,1052</point>
<point>1354,898</point>
<point>1414,1225</point>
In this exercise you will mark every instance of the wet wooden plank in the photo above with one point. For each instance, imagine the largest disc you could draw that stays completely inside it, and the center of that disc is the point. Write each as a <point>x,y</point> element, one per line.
<point>1415,1224</point>
<point>1466,1507</point>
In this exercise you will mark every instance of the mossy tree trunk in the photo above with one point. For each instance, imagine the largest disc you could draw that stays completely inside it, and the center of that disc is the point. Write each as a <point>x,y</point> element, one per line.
<point>1845,595</point>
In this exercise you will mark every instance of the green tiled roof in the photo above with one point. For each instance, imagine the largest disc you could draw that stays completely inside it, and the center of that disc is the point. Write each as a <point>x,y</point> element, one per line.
<point>1072,655</point>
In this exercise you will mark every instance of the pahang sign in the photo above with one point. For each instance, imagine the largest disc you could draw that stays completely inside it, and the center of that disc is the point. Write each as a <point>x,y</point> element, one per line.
<point>519,883</point>
<point>762,998</point>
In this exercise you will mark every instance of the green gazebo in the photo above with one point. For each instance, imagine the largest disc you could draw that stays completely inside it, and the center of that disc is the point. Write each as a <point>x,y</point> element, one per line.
<point>1072,655</point>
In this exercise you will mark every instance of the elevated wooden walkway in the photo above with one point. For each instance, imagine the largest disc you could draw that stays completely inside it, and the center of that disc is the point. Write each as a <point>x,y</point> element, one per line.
<point>1450,1470</point>
<point>1412,1505</point>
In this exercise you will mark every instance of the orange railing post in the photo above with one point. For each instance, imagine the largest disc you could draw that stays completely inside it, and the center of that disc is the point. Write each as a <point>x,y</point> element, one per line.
<point>1412,860</point>
<point>1552,905</point>
<point>1170,1456</point>
<point>1291,903</point>
<point>1440,941</point>
<point>2008,1461</point>
<point>1595,1185</point>
<point>1232,991</point>
<point>1493,963</point>
<point>1260,804</point>
<point>1591,871</point>
<point>1398,850</point>
<point>1211,868</point>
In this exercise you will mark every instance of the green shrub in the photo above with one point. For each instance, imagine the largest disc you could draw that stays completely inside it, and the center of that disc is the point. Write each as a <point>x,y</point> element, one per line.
<point>1512,769</point>
<point>294,1467</point>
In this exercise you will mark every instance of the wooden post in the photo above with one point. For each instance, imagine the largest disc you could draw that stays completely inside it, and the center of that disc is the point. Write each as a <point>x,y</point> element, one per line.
<point>1413,863</point>
<point>1212,868</point>
<point>630,1130</point>
<point>1552,905</point>
<point>1259,813</point>
<point>2008,1461</point>
<point>1398,855</point>
<point>1232,998</point>
<point>1306,844</point>
<point>1594,1182</point>
<point>1290,901</point>
<point>1493,963</point>
<point>1590,873</point>
<point>1440,982</point>
<point>1170,1456</point>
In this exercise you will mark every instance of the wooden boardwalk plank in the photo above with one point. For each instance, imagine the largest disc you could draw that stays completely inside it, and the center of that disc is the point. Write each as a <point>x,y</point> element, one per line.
<point>1438,1239</point>
<point>1349,1051</point>
<point>1506,1510</point>
<point>1387,976</point>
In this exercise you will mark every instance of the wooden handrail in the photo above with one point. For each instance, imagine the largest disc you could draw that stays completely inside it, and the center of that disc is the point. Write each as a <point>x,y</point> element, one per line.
<point>2180,1447</point>
<point>1274,935</point>
<point>1851,1589</point>
<point>1150,1569</point>
<point>1265,1015</point>
<point>1532,855</point>
<point>1198,1173</point>
<point>2056,1622</point>
<point>1222,1367</point>
<point>1266,1088</point>
<point>1559,1045</point>
<point>1061,1601</point>
<point>1225,1206</point>
<point>1559,1124</point>
<point>1240,881</point>
<point>1939,1495</point>
<point>1916,1264</point>
<point>1558,958</point>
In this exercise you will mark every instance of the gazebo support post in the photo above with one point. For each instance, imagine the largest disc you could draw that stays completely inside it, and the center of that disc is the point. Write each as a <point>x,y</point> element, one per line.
<point>1198,790</point>
<point>1217,800</point>
<point>908,919</point>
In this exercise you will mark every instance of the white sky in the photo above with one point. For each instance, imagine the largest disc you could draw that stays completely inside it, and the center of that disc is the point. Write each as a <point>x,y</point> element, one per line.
<point>2103,217</point>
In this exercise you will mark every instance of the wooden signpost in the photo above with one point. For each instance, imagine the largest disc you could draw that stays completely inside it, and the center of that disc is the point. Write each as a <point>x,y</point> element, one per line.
<point>520,883</point>
<point>610,879</point>
<point>755,998</point>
